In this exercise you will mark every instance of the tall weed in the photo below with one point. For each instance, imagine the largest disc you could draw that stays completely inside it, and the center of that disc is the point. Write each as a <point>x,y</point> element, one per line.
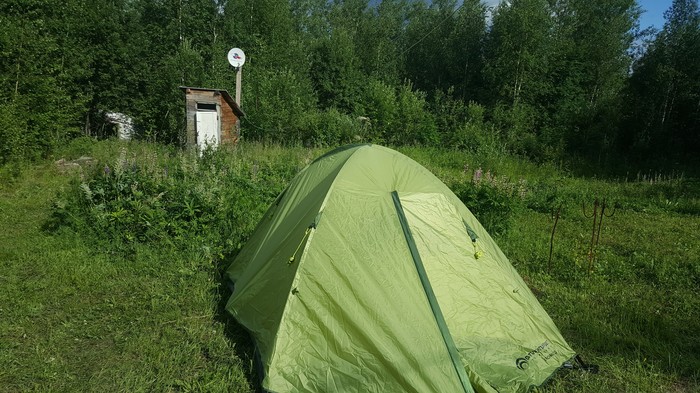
<point>184,201</point>
<point>493,199</point>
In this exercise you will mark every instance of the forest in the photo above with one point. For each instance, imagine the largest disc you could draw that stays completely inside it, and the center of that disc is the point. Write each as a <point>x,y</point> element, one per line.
<point>543,79</point>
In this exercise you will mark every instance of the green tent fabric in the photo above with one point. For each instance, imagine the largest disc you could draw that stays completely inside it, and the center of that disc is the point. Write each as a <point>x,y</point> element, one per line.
<point>369,275</point>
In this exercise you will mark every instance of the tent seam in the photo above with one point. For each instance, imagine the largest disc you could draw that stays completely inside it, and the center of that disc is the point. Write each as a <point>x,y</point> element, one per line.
<point>432,300</point>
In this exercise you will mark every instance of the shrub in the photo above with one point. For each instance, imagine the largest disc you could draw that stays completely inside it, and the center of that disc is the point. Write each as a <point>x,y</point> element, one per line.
<point>518,124</point>
<point>397,116</point>
<point>210,203</point>
<point>13,130</point>
<point>281,100</point>
<point>328,128</point>
<point>450,114</point>
<point>492,199</point>
<point>415,124</point>
<point>378,104</point>
<point>475,134</point>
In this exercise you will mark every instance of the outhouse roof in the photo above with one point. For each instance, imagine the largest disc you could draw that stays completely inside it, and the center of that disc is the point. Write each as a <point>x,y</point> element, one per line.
<point>227,97</point>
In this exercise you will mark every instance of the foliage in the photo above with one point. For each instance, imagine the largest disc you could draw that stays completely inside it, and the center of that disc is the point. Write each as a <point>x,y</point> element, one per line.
<point>13,143</point>
<point>398,116</point>
<point>663,90</point>
<point>415,125</point>
<point>330,128</point>
<point>178,201</point>
<point>277,113</point>
<point>492,199</point>
<point>40,76</point>
<point>335,71</point>
<point>591,62</point>
<point>556,79</point>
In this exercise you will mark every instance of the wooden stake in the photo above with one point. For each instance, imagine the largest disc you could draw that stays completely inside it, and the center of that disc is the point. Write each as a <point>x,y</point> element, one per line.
<point>593,234</point>
<point>551,239</point>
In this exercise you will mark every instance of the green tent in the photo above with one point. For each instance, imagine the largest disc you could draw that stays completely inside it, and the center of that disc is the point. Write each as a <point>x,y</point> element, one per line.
<point>369,275</point>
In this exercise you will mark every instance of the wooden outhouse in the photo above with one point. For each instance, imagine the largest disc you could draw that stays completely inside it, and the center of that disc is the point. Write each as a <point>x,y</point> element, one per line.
<point>213,117</point>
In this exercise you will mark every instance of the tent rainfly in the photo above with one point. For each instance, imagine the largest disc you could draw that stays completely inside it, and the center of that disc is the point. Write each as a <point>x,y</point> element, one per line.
<point>369,275</point>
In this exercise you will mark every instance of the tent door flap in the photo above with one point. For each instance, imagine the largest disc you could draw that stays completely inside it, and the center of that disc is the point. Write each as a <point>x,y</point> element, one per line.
<point>439,318</point>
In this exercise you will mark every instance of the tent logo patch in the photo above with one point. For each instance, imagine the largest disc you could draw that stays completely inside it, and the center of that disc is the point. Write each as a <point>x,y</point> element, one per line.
<point>521,363</point>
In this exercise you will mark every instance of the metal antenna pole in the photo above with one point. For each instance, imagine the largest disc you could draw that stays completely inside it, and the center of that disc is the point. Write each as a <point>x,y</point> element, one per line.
<point>238,85</point>
<point>236,58</point>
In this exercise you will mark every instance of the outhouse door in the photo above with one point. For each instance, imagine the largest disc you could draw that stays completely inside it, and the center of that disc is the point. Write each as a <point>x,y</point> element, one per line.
<point>207,126</point>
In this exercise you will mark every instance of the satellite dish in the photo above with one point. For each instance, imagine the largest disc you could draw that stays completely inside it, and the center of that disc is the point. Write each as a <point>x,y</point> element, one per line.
<point>236,57</point>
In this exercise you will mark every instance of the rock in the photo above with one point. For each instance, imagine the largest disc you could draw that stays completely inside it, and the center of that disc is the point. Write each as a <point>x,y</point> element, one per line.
<point>65,166</point>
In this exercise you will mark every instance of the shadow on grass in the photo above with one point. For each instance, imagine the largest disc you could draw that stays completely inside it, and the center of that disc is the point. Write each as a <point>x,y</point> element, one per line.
<point>652,333</point>
<point>237,335</point>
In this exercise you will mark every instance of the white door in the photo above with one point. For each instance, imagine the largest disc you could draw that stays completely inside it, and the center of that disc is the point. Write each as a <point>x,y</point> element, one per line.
<point>207,129</point>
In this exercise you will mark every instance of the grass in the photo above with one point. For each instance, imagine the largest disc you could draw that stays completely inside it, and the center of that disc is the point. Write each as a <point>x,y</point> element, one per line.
<point>73,319</point>
<point>78,313</point>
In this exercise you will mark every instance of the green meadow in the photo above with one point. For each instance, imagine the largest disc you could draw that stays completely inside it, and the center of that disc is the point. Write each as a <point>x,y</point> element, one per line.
<point>110,272</point>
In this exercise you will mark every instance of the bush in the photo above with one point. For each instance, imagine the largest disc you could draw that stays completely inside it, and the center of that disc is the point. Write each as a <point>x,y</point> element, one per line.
<point>415,124</point>
<point>210,203</point>
<point>378,104</point>
<point>518,125</point>
<point>398,117</point>
<point>328,128</point>
<point>450,114</point>
<point>475,134</point>
<point>13,130</point>
<point>493,200</point>
<point>276,113</point>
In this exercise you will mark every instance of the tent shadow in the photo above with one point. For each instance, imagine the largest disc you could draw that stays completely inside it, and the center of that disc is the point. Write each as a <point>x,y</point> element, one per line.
<point>659,341</point>
<point>237,336</point>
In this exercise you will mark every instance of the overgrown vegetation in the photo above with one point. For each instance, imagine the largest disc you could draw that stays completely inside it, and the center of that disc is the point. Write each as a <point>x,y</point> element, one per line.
<point>170,200</point>
<point>111,274</point>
